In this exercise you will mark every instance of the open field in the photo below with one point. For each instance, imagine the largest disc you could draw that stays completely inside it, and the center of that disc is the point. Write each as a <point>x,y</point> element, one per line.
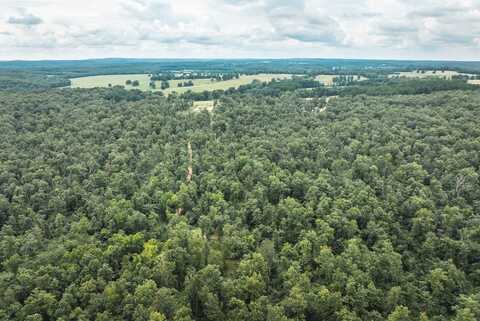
<point>203,105</point>
<point>474,82</point>
<point>199,84</point>
<point>114,80</point>
<point>327,80</point>
<point>446,74</point>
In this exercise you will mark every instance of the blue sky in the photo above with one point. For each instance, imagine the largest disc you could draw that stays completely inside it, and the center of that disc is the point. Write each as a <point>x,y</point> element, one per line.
<point>398,29</point>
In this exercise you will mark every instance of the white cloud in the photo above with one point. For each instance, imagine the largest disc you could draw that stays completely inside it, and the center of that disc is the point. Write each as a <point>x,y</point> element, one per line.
<point>26,20</point>
<point>430,29</point>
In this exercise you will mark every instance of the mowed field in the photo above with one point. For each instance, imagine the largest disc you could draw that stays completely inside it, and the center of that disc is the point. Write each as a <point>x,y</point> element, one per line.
<point>114,80</point>
<point>446,74</point>
<point>207,105</point>
<point>199,85</point>
<point>327,80</point>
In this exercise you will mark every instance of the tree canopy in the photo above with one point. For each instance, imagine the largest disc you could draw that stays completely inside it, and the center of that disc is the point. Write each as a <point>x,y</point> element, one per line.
<point>123,205</point>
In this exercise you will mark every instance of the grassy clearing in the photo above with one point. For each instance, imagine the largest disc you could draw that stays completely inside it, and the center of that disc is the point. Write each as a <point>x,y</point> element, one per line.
<point>327,80</point>
<point>330,98</point>
<point>203,105</point>
<point>199,85</point>
<point>327,99</point>
<point>114,80</point>
<point>446,74</point>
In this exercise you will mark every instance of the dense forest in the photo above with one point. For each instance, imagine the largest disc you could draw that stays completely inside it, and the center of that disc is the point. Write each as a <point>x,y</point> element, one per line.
<point>28,81</point>
<point>121,205</point>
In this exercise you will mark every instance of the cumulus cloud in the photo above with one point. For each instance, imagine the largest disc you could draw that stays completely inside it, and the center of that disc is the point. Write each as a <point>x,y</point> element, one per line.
<point>453,23</point>
<point>307,27</point>
<point>240,28</point>
<point>393,28</point>
<point>149,10</point>
<point>26,19</point>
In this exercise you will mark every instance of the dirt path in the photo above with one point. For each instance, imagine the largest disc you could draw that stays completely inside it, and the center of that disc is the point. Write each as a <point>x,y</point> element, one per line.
<point>190,162</point>
<point>327,100</point>
<point>188,179</point>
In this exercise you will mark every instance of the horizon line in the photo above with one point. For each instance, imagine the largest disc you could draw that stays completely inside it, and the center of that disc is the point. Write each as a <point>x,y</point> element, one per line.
<point>236,58</point>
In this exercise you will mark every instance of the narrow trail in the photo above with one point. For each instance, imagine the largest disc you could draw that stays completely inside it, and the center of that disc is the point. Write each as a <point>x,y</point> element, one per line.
<point>327,100</point>
<point>188,179</point>
<point>190,162</point>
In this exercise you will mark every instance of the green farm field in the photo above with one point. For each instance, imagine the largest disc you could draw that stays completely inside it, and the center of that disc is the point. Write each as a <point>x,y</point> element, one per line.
<point>114,80</point>
<point>200,85</point>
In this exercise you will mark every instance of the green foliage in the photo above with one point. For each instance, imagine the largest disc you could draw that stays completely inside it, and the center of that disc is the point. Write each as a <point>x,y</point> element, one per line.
<point>27,81</point>
<point>367,210</point>
<point>406,87</point>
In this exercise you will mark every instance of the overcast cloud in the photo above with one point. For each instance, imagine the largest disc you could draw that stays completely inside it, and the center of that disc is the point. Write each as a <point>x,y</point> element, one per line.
<point>411,29</point>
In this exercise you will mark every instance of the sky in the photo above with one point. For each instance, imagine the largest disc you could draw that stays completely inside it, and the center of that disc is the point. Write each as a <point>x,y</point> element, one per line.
<point>386,29</point>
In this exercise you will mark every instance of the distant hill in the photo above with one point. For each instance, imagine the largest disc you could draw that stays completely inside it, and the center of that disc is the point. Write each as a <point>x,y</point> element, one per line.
<point>76,68</point>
